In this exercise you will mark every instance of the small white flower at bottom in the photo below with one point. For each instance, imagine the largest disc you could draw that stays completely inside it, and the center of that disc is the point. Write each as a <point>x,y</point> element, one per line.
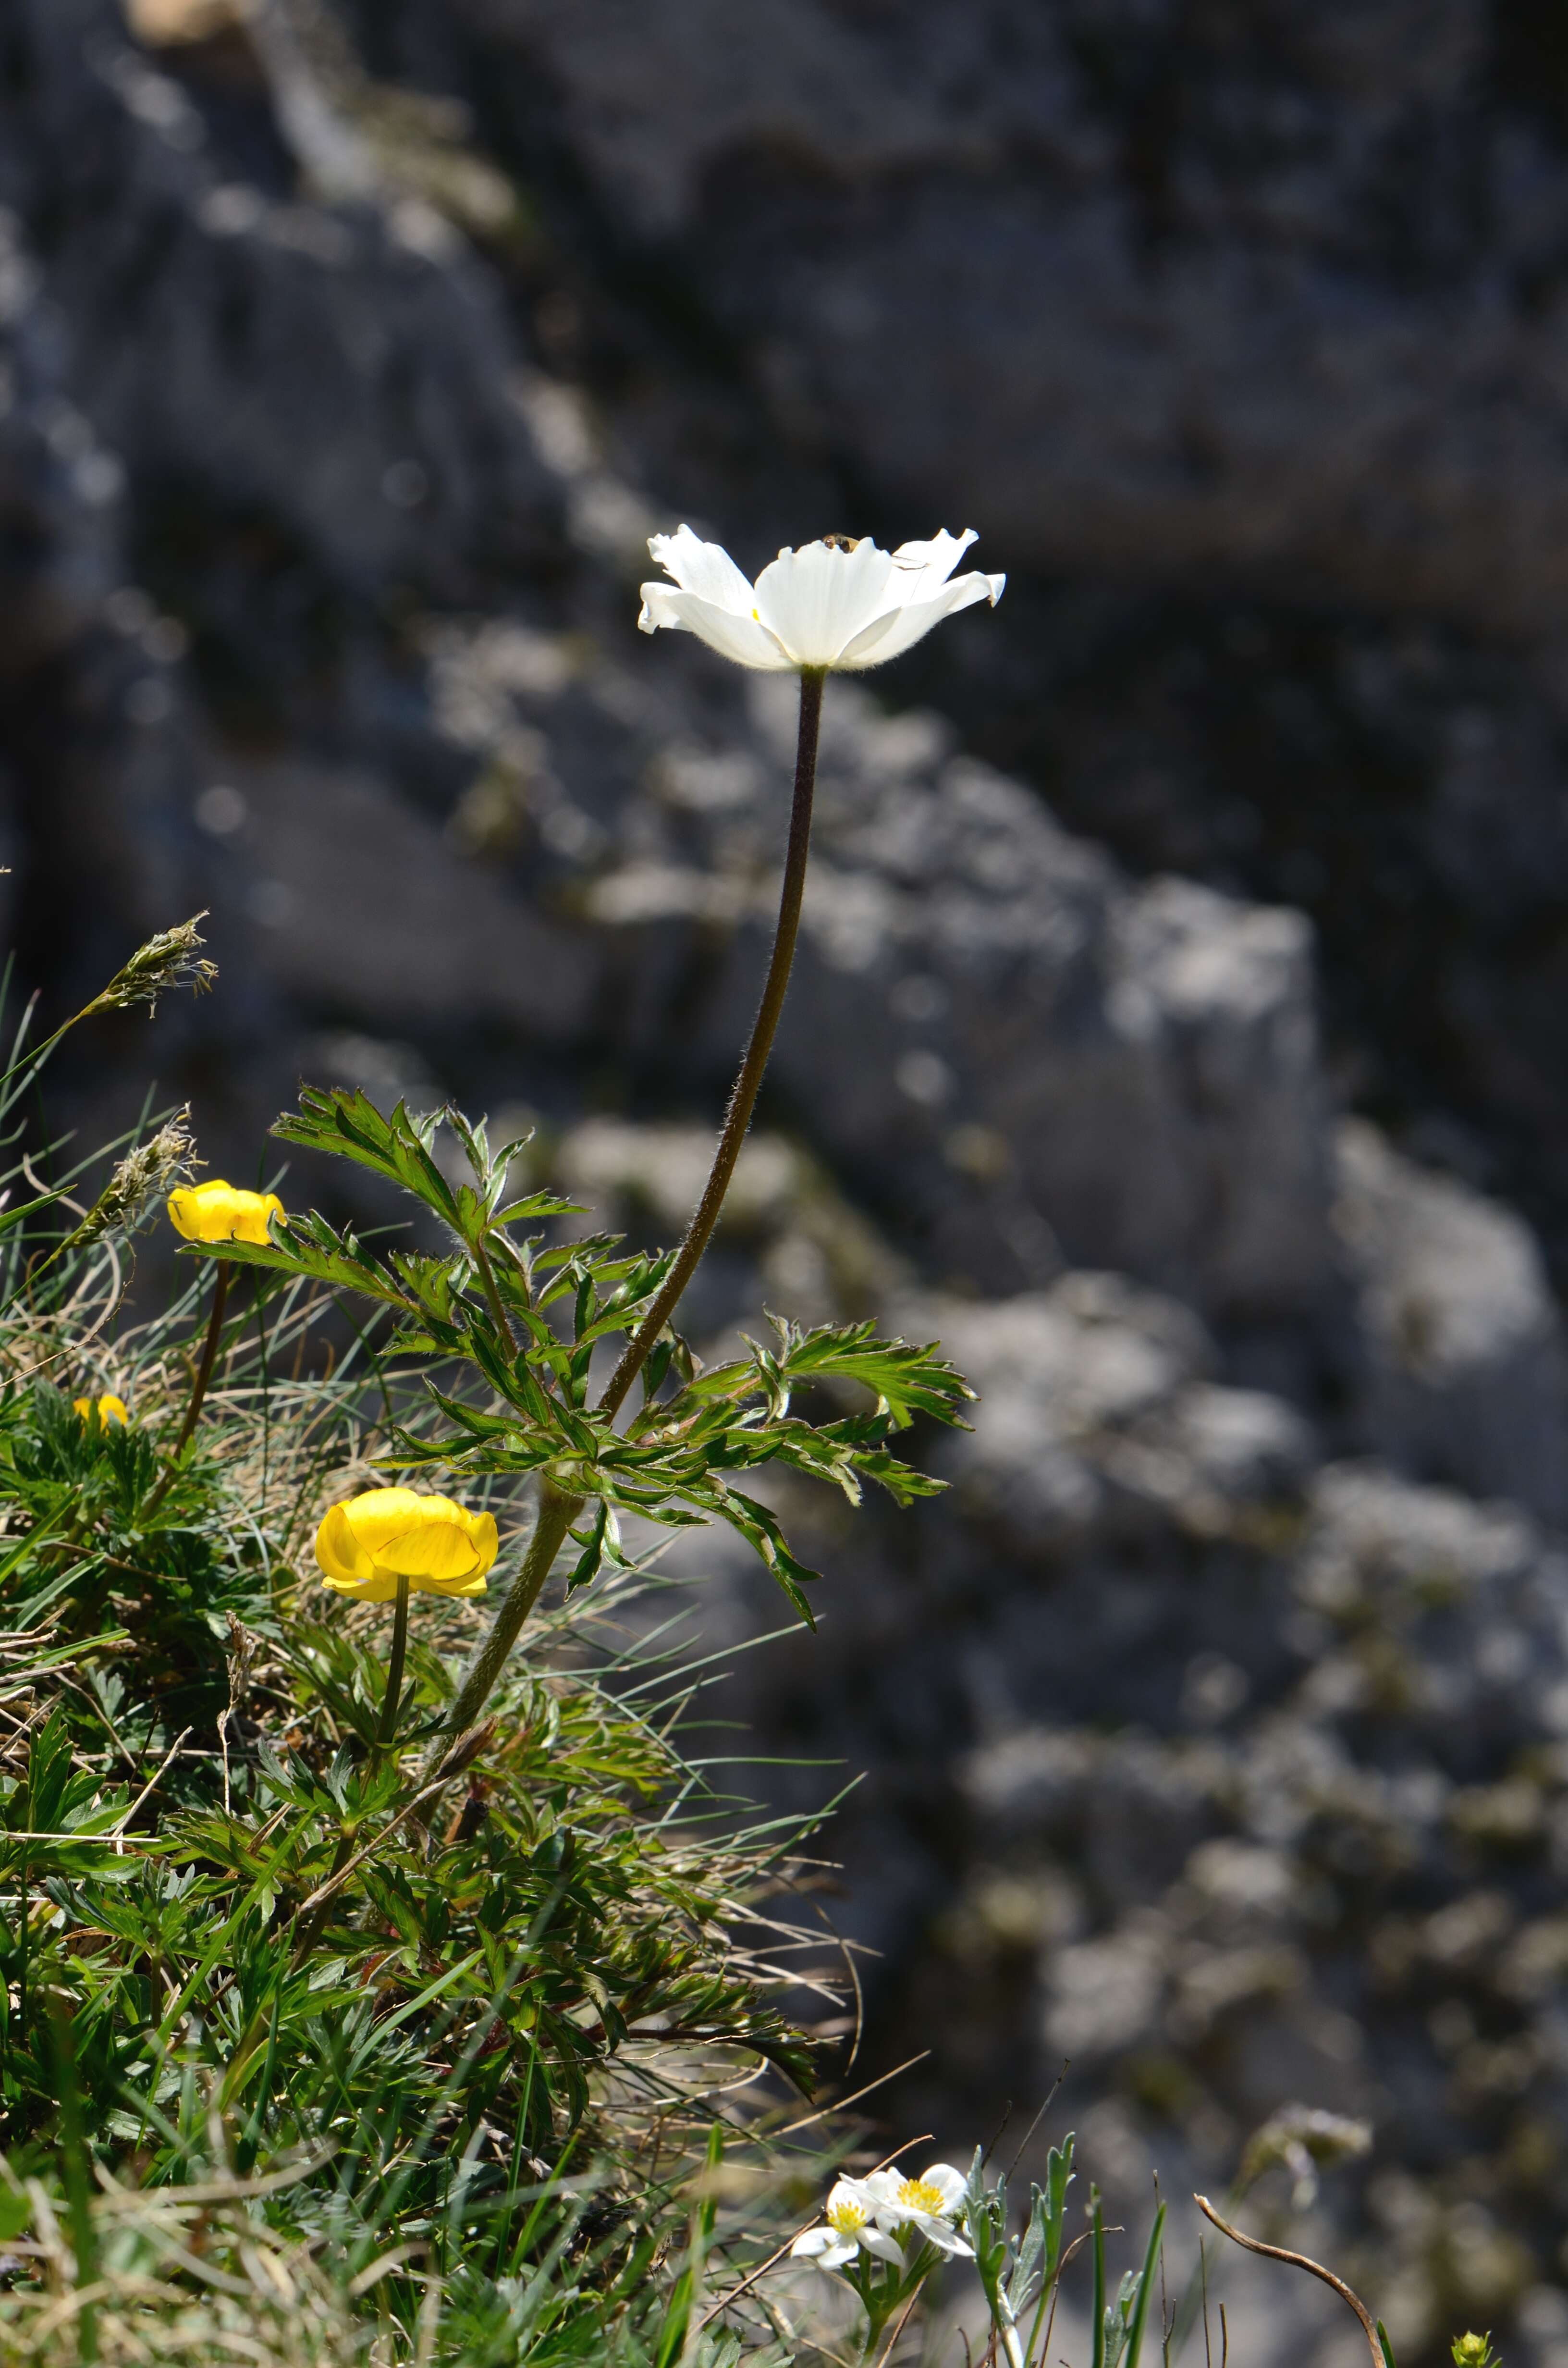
<point>849,2228</point>
<point>929,2204</point>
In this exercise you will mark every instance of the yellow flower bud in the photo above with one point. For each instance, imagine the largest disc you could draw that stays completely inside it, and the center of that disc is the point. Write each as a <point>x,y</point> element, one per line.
<point>366,1544</point>
<point>220,1212</point>
<point>1474,2351</point>
<point>106,1409</point>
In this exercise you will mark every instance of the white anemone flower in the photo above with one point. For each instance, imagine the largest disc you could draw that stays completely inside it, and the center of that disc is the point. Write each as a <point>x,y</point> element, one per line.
<point>850,2226</point>
<point>834,606</point>
<point>930,2204</point>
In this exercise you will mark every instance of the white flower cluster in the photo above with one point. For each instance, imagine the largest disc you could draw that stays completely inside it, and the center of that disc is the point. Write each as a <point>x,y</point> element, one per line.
<point>888,2215</point>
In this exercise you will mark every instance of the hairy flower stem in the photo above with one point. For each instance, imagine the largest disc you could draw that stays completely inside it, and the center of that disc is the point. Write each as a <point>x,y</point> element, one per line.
<point>387,1727</point>
<point>557,1512</point>
<point>198,1389</point>
<point>749,1080</point>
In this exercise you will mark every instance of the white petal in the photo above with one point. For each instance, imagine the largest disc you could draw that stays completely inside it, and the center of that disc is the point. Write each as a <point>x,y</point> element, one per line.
<point>874,2241</point>
<point>922,568</point>
<point>740,638</point>
<point>948,2183</point>
<point>879,2189</point>
<point>888,636</point>
<point>819,598</point>
<point>705,568</point>
<point>937,2232</point>
<point>810,2242</point>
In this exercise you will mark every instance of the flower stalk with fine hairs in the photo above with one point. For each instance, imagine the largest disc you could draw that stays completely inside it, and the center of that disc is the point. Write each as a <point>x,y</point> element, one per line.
<point>832,606</point>
<point>557,1511</point>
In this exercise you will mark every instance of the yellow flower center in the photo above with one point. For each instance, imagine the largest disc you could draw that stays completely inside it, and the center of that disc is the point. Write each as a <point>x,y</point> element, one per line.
<point>919,2195</point>
<point>847,2218</point>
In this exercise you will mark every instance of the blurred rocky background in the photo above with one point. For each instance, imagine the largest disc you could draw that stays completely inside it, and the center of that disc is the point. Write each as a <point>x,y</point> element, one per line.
<point>1178,1027</point>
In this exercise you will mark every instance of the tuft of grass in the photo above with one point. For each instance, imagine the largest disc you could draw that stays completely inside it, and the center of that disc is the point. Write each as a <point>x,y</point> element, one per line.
<point>302,2059</point>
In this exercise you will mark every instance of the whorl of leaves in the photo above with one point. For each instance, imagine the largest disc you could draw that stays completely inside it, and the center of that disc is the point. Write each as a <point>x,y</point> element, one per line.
<point>516,1321</point>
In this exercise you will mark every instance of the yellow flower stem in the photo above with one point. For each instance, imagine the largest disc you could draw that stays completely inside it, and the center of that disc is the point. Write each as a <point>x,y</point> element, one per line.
<point>394,1667</point>
<point>199,1388</point>
<point>557,1512</point>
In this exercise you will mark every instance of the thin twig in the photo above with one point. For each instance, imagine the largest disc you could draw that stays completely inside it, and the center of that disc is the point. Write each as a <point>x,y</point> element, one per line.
<point>843,2104</point>
<point>1023,2141</point>
<point>335,1882</point>
<point>151,1787</point>
<point>1203,2277</point>
<point>898,2330</point>
<point>1298,2262</point>
<point>1001,2132</point>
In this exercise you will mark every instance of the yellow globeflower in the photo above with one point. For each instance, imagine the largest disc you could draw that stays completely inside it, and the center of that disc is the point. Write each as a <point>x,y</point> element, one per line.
<point>108,1409</point>
<point>220,1212</point>
<point>366,1545</point>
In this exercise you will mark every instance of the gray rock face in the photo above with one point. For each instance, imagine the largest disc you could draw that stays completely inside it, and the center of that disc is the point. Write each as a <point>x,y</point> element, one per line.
<point>1237,331</point>
<point>340,373</point>
<point>1057,1065</point>
<point>1233,1774</point>
<point>1096,1417</point>
<point>1466,1368</point>
<point>1120,266</point>
<point>95,717</point>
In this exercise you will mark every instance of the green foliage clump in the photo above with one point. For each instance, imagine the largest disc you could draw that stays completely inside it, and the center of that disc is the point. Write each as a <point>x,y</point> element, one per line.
<point>295,2033</point>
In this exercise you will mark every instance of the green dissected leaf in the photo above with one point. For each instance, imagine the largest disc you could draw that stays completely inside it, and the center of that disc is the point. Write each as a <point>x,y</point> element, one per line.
<point>903,1483</point>
<point>434,1284</point>
<point>314,1251</point>
<point>345,1122</point>
<point>906,1380</point>
<point>1059,2178</point>
<point>760,1528</point>
<point>601,1542</point>
<point>469,1418</point>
